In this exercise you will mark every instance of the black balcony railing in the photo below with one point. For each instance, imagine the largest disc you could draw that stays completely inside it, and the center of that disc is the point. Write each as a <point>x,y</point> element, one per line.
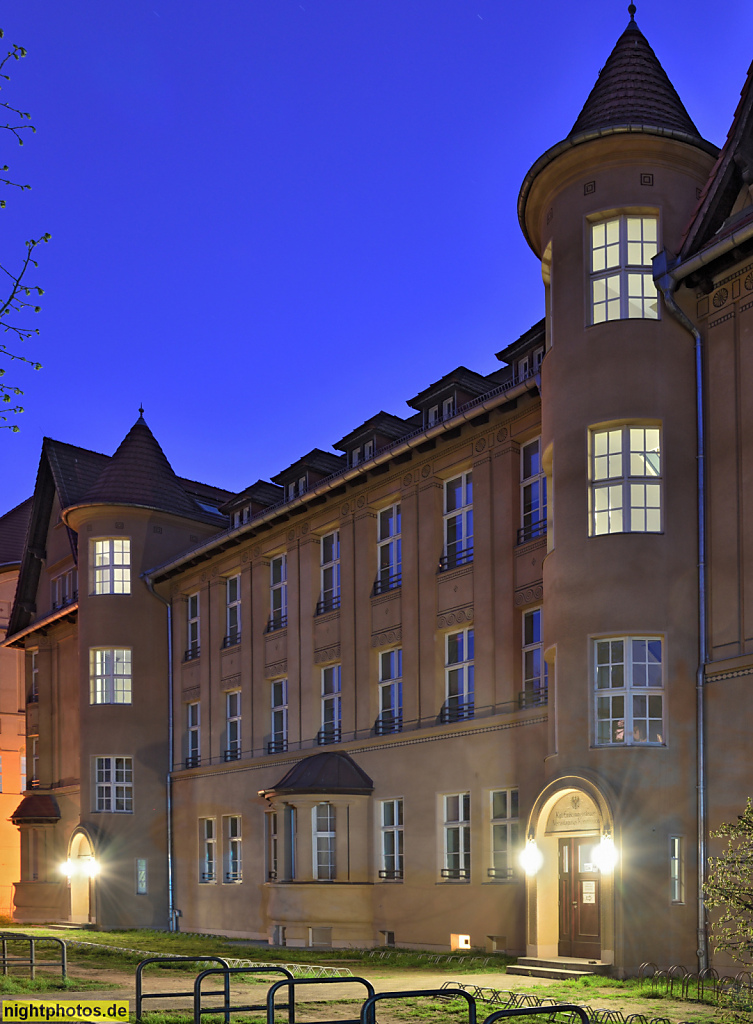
<point>500,873</point>
<point>231,640</point>
<point>456,711</point>
<point>209,876</point>
<point>330,734</point>
<point>276,622</point>
<point>531,531</point>
<point>388,722</point>
<point>456,872</point>
<point>391,873</point>
<point>193,761</point>
<point>65,601</point>
<point>277,746</point>
<point>33,698</point>
<point>192,653</point>
<point>233,876</point>
<point>383,583</point>
<point>533,698</point>
<point>453,559</point>
<point>328,604</point>
<point>233,754</point>
<point>272,875</point>
<point>33,783</point>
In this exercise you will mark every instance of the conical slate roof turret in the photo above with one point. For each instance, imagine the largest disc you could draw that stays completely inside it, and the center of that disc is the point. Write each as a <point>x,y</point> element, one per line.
<point>633,88</point>
<point>139,474</point>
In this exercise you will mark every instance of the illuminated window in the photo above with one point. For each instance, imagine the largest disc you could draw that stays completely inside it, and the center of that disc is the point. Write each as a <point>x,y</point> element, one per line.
<point>625,488</point>
<point>629,691</point>
<point>622,284</point>
<point>111,566</point>
<point>113,784</point>
<point>110,676</point>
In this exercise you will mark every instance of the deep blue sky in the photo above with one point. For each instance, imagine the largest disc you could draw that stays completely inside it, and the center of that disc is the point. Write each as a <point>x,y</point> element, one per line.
<point>272,218</point>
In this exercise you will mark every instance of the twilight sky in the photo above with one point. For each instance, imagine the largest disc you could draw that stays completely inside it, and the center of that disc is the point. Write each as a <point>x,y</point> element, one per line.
<point>271,219</point>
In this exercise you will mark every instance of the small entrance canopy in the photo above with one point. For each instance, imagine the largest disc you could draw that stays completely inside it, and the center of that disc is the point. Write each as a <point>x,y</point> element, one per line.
<point>328,772</point>
<point>36,809</point>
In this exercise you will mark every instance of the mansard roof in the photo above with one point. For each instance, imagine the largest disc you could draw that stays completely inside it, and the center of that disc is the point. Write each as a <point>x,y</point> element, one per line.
<point>383,423</point>
<point>260,493</point>
<point>41,808</point>
<point>633,89</point>
<point>317,460</point>
<point>13,528</point>
<point>328,772</point>
<point>467,380</point>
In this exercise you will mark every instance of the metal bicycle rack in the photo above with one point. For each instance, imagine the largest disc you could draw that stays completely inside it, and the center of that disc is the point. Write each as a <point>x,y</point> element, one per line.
<point>226,1009</point>
<point>31,961</point>
<point>141,995</point>
<point>369,1017</point>
<point>529,1011</point>
<point>313,981</point>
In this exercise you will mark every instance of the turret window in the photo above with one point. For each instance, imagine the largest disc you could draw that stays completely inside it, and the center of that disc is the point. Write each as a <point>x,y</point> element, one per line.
<point>622,285</point>
<point>629,691</point>
<point>110,676</point>
<point>111,566</point>
<point>625,480</point>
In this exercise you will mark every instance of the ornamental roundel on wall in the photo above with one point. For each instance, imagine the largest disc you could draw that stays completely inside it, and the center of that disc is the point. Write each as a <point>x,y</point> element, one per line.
<point>480,444</point>
<point>291,535</point>
<point>502,433</point>
<point>749,282</point>
<point>407,480</point>
<point>720,297</point>
<point>244,556</point>
<point>257,550</point>
<point>305,529</point>
<point>425,470</point>
<point>361,501</point>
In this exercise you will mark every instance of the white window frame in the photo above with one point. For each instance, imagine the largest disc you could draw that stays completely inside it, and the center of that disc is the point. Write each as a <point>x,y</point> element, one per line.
<point>271,845</point>
<point>390,717</point>
<point>207,851</point>
<point>368,450</point>
<point>232,611</point>
<point>233,732</point>
<point>504,833</point>
<point>625,473</point>
<point>279,716</point>
<point>331,731</point>
<point>677,869</point>
<point>193,621</point>
<point>113,785</point>
<point>448,408</point>
<point>459,675</point>
<point>621,277</point>
<point>34,781</point>
<point>391,851</point>
<point>233,837</point>
<point>355,456</point>
<point>324,841</point>
<point>535,671</point>
<point>110,675</point>
<point>329,568</point>
<point>110,565</point>
<point>629,691</point>
<point>458,521</point>
<point>278,592</point>
<point>456,830</point>
<point>64,589</point>
<point>193,725</point>
<point>533,497</point>
<point>389,549</point>
<point>432,416</point>
<point>34,671</point>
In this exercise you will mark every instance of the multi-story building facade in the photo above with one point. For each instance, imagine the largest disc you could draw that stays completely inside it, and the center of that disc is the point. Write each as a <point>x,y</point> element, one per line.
<point>470,680</point>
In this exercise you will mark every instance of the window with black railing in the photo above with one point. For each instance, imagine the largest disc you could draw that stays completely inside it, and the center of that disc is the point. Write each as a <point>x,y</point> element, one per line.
<point>231,640</point>
<point>389,549</point>
<point>455,872</point>
<point>457,836</point>
<point>392,873</point>
<point>232,754</point>
<point>387,723</point>
<point>458,522</point>
<point>456,711</point>
<point>532,531</point>
<point>192,653</point>
<point>277,746</point>
<point>455,558</point>
<point>532,493</point>
<point>329,561</point>
<point>329,734</point>
<point>459,677</point>
<point>276,622</point>
<point>330,603</point>
<point>533,698</point>
<point>193,761</point>
<point>384,583</point>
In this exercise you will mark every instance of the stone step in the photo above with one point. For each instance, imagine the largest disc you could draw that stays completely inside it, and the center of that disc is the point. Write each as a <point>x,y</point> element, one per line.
<point>567,963</point>
<point>559,973</point>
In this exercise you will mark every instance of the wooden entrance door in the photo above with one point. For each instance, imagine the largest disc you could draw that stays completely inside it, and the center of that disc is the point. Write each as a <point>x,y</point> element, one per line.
<point>579,899</point>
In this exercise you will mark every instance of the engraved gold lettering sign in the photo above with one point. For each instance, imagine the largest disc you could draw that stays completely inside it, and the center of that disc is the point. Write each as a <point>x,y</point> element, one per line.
<point>574,812</point>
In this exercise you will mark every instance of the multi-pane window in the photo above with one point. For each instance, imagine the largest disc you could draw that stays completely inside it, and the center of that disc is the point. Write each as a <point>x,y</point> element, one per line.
<point>629,690</point>
<point>207,850</point>
<point>22,771</point>
<point>458,521</point>
<point>279,695</point>
<point>532,492</point>
<point>448,408</point>
<point>271,843</point>
<point>194,632</point>
<point>64,589</point>
<point>505,832</point>
<point>113,784</point>
<point>233,611</point>
<point>278,592</point>
<point>193,718</point>
<point>622,284</point>
<point>34,745</point>
<point>390,692</point>
<point>233,725</point>
<point>457,836</point>
<point>34,672</point>
<point>389,550</point>
<point>535,674</point>
<point>330,572</point>
<point>331,704</point>
<point>368,451</point>
<point>625,480</point>
<point>459,695</point>
<point>110,675</point>
<point>233,848</point>
<point>391,842</point>
<point>677,869</point>
<point>324,836</point>
<point>111,566</point>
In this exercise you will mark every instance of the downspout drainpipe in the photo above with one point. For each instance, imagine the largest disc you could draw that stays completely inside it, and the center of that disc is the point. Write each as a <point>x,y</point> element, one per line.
<point>664,281</point>
<point>171,915</point>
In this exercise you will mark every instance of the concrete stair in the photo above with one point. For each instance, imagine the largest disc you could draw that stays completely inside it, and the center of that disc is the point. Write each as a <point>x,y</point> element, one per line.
<point>560,967</point>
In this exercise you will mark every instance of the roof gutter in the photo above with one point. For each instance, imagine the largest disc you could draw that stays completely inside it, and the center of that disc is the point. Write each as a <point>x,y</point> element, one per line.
<point>238,534</point>
<point>665,281</point>
<point>710,254</point>
<point>59,613</point>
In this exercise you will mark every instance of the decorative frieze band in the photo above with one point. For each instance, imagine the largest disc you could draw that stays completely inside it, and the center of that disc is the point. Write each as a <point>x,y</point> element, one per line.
<point>276,668</point>
<point>327,654</point>
<point>191,693</point>
<point>389,636</point>
<point>457,617</point>
<point>529,595</point>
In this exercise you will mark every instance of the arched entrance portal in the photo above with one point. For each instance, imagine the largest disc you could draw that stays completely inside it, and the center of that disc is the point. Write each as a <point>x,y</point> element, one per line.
<point>570,883</point>
<point>82,869</point>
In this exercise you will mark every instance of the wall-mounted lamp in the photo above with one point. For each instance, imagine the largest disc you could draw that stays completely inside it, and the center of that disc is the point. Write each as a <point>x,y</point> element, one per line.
<point>531,858</point>
<point>605,854</point>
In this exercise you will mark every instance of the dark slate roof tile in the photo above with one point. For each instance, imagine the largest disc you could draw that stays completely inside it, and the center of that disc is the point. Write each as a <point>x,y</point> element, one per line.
<point>328,772</point>
<point>13,527</point>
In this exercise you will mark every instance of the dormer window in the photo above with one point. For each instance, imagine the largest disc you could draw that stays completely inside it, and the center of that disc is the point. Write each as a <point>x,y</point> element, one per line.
<point>291,492</point>
<point>303,484</point>
<point>355,456</point>
<point>368,451</point>
<point>432,416</point>
<point>448,408</point>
